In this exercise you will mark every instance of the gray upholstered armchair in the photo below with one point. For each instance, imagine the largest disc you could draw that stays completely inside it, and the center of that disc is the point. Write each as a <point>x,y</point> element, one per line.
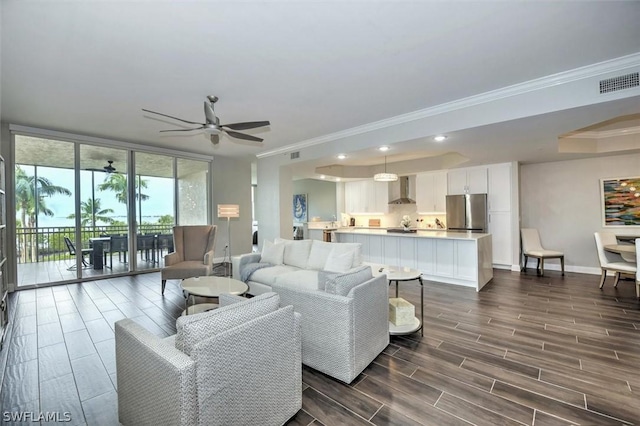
<point>236,365</point>
<point>193,253</point>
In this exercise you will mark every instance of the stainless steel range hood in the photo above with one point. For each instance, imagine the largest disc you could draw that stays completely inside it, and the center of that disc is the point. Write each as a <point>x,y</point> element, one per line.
<point>404,192</point>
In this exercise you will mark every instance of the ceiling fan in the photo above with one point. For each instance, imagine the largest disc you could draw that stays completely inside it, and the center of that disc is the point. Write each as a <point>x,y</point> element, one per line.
<point>107,169</point>
<point>212,125</point>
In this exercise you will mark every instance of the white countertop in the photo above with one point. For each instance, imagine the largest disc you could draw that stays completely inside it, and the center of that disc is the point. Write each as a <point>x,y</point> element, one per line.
<point>451,235</point>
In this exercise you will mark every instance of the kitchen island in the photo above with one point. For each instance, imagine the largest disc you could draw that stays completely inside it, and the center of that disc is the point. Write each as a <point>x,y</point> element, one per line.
<point>461,258</point>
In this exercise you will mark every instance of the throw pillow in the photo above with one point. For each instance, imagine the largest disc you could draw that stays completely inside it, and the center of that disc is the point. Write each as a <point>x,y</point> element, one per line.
<point>272,253</point>
<point>192,329</point>
<point>343,283</point>
<point>296,253</point>
<point>319,254</point>
<point>339,261</point>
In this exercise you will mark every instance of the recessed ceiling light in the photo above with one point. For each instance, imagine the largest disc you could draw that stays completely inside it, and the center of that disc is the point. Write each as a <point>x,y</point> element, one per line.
<point>384,148</point>
<point>342,156</point>
<point>322,176</point>
<point>439,138</point>
<point>337,179</point>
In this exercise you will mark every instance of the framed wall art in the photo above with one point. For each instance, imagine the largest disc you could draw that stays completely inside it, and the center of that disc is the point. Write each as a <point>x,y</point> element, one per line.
<point>620,201</point>
<point>300,208</point>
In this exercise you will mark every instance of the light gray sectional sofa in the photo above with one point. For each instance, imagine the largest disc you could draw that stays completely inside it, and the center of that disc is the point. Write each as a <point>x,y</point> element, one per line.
<point>345,314</point>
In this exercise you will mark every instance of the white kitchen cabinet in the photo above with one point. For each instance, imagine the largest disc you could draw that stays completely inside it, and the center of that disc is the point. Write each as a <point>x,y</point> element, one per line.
<point>431,192</point>
<point>499,194</point>
<point>366,197</point>
<point>501,238</point>
<point>444,257</point>
<point>315,234</point>
<point>472,180</point>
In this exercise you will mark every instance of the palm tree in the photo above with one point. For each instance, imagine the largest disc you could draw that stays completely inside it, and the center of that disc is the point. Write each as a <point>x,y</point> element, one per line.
<point>30,200</point>
<point>91,212</point>
<point>118,184</point>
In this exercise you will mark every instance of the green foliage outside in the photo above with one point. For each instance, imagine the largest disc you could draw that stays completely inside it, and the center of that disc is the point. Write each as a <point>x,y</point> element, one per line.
<point>31,194</point>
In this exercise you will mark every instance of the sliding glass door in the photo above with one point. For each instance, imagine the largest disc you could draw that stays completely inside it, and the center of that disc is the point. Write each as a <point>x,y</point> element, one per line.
<point>85,211</point>
<point>44,195</point>
<point>103,210</point>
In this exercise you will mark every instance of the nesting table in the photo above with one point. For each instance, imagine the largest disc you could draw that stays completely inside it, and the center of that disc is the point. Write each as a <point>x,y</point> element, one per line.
<point>399,274</point>
<point>211,287</point>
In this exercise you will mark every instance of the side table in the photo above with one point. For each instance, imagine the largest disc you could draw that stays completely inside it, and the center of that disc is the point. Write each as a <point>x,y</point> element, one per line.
<point>397,275</point>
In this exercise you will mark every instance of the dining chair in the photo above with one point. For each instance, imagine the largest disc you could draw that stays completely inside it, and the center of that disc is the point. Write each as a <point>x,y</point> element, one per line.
<point>72,251</point>
<point>611,261</point>
<point>531,247</point>
<point>118,244</point>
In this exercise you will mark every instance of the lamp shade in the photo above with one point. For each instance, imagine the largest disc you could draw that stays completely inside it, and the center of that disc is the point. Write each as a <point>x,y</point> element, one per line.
<point>228,210</point>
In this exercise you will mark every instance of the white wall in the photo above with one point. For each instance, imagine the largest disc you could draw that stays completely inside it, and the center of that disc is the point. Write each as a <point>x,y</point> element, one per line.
<point>321,198</point>
<point>562,200</point>
<point>232,185</point>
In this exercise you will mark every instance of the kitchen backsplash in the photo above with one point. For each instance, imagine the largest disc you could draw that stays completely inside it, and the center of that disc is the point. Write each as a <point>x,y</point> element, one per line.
<point>396,211</point>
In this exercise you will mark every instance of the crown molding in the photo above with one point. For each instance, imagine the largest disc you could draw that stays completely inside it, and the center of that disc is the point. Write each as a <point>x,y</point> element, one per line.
<point>552,80</point>
<point>594,134</point>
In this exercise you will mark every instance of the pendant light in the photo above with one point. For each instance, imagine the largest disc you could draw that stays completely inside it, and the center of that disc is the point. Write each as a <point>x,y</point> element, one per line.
<point>385,177</point>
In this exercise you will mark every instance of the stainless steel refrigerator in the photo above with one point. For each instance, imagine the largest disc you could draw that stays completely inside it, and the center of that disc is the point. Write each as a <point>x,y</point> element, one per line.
<point>467,212</point>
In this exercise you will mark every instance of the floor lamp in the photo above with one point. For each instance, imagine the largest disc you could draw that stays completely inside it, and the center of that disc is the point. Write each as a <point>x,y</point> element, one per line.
<point>228,211</point>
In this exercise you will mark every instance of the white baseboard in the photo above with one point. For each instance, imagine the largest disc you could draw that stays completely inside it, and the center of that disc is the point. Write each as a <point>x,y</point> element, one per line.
<point>568,268</point>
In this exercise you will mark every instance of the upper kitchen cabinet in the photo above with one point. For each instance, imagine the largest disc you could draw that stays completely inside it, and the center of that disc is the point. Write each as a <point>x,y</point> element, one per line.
<point>472,180</point>
<point>499,198</point>
<point>431,192</point>
<point>366,197</point>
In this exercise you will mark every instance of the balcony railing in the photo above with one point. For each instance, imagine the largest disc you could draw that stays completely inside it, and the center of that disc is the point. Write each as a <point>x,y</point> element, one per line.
<point>47,244</point>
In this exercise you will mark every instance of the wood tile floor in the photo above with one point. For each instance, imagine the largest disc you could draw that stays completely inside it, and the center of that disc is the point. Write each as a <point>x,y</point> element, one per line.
<point>525,350</point>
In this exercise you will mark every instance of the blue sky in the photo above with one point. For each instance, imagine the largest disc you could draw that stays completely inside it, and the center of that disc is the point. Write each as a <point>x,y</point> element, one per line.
<point>159,190</point>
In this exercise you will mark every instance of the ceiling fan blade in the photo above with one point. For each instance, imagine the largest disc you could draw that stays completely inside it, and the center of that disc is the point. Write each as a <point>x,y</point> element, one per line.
<point>94,170</point>
<point>208,112</point>
<point>170,116</point>
<point>243,136</point>
<point>215,139</point>
<point>182,130</point>
<point>248,125</point>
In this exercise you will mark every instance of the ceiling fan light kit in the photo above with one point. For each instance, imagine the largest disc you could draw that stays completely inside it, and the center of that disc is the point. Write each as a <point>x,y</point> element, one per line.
<point>212,124</point>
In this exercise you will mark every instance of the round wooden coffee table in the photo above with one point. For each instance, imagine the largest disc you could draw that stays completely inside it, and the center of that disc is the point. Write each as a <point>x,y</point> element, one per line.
<point>211,287</point>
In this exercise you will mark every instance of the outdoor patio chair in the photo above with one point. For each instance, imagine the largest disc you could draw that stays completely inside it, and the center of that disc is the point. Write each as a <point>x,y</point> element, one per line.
<point>72,252</point>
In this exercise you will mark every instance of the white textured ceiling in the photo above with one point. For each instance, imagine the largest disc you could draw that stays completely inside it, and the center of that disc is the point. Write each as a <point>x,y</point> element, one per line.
<point>311,68</point>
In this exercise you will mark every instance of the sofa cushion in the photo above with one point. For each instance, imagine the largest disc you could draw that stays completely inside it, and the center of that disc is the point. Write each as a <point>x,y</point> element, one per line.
<point>272,253</point>
<point>319,253</point>
<point>296,253</point>
<point>356,247</point>
<point>192,329</point>
<point>343,283</point>
<point>268,275</point>
<point>304,278</point>
<point>339,260</point>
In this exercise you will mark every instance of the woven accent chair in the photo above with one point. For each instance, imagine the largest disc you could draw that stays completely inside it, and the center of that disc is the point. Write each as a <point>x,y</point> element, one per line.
<point>193,253</point>
<point>611,261</point>
<point>243,369</point>
<point>531,247</point>
<point>341,335</point>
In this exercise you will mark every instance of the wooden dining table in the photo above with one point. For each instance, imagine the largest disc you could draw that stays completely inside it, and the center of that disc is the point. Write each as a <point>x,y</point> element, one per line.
<point>627,251</point>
